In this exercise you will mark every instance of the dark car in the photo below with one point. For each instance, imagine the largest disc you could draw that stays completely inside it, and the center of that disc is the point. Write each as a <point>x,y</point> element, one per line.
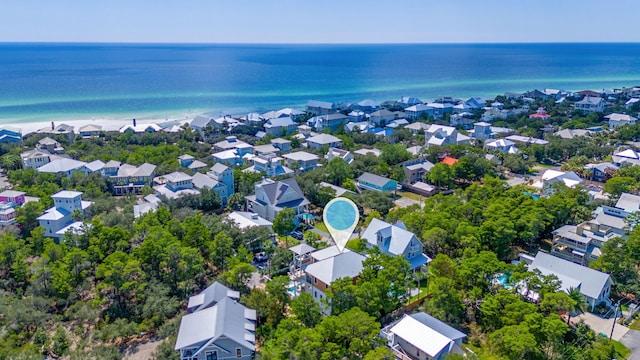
<point>260,257</point>
<point>297,235</point>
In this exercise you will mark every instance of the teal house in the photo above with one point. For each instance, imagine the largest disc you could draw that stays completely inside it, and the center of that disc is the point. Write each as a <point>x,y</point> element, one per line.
<point>369,181</point>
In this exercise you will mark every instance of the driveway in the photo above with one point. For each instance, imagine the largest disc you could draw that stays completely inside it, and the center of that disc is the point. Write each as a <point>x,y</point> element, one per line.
<point>601,325</point>
<point>632,340</point>
<point>404,202</point>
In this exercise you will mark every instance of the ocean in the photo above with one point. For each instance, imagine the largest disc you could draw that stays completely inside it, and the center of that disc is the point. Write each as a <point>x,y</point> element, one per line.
<point>44,82</point>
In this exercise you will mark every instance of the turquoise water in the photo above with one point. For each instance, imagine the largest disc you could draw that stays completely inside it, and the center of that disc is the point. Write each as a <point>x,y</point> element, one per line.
<point>121,81</point>
<point>533,196</point>
<point>341,215</point>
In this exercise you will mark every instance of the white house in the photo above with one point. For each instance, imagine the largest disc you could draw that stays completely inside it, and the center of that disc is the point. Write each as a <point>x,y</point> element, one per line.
<point>345,155</point>
<point>60,218</point>
<point>616,120</point>
<point>570,179</point>
<point>503,145</point>
<point>318,141</point>
<point>301,160</point>
<point>279,126</point>
<point>421,336</point>
<point>63,166</point>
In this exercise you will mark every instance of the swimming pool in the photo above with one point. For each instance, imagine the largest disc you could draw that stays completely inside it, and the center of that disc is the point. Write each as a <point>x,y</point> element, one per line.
<point>291,289</point>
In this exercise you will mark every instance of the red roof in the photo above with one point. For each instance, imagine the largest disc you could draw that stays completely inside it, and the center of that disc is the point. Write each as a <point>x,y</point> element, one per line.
<point>449,160</point>
<point>589,93</point>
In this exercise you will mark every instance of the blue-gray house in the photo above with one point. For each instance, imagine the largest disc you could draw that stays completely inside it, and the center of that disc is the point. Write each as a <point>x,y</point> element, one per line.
<point>369,181</point>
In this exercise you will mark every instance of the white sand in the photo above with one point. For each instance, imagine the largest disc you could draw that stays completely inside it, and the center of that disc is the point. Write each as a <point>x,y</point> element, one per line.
<point>107,125</point>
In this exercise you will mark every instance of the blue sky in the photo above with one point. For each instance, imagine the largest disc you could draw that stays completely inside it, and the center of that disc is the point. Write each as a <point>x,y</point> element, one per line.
<point>324,21</point>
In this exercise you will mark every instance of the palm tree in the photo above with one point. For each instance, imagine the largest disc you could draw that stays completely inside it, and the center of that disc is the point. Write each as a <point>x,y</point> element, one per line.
<point>580,303</point>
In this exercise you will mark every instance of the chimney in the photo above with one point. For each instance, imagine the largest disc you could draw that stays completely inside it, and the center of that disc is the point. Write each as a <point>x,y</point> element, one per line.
<point>579,229</point>
<point>134,122</point>
<point>52,125</point>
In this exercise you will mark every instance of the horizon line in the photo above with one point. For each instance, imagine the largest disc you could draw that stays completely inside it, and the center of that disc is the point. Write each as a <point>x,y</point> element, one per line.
<point>315,43</point>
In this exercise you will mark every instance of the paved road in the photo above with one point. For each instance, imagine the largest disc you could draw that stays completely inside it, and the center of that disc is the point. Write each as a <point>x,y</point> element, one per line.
<point>632,340</point>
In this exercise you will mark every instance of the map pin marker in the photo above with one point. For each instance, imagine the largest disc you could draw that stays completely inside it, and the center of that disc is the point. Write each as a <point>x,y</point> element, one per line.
<point>341,217</point>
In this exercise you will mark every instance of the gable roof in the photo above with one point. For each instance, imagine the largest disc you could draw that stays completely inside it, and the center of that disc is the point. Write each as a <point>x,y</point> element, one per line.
<point>200,181</point>
<point>628,202</point>
<point>227,319</point>
<point>400,237</point>
<point>591,282</point>
<point>324,139</point>
<point>218,168</point>
<point>320,104</point>
<point>374,179</point>
<point>279,122</point>
<point>275,189</point>
<point>200,121</point>
<point>346,264</point>
<point>61,165</point>
<point>427,333</point>
<point>210,296</point>
<point>449,160</point>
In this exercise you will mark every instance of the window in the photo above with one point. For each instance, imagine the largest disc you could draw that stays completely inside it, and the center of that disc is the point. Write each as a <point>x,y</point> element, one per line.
<point>238,352</point>
<point>212,355</point>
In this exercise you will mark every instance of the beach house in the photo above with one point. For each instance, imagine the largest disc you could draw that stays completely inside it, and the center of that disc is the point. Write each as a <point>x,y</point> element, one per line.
<point>301,161</point>
<point>617,119</point>
<point>318,141</point>
<point>189,162</point>
<point>421,336</point>
<point>9,134</point>
<point>217,326</point>
<point>330,121</point>
<point>280,126</point>
<point>595,286</point>
<point>67,206</point>
<point>590,104</point>
<point>395,240</point>
<point>125,179</point>
<point>9,201</point>
<point>369,181</point>
<point>315,107</point>
<point>63,166</point>
<point>283,145</point>
<point>270,197</point>
<point>327,266</point>
<point>415,170</point>
<point>345,155</point>
<point>90,130</point>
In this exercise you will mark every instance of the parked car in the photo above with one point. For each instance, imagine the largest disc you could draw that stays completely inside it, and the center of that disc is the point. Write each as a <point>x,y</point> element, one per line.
<point>297,235</point>
<point>260,257</point>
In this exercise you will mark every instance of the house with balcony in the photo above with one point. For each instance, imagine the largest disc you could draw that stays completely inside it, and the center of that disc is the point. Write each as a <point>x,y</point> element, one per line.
<point>301,161</point>
<point>420,336</point>
<point>320,140</point>
<point>174,185</point>
<point>381,117</point>
<point>417,127</point>
<point>328,265</point>
<point>60,218</point>
<point>626,157</point>
<point>280,126</point>
<point>224,175</point>
<point>369,181</point>
<point>270,197</point>
<point>283,145</point>
<point>232,143</point>
<point>217,326</point>
<point>90,130</point>
<point>590,104</point>
<point>439,135</point>
<point>503,145</point>
<point>9,201</point>
<point>127,179</point>
<point>440,109</point>
<point>415,170</point>
<point>63,166</point>
<point>315,107</point>
<point>417,111</point>
<point>270,163</point>
<point>595,286</point>
<point>396,240</point>
<point>600,172</point>
<point>50,145</point>
<point>33,159</point>
<point>330,121</point>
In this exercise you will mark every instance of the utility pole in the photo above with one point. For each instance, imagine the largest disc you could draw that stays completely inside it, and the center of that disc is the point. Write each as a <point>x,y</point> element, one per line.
<point>615,315</point>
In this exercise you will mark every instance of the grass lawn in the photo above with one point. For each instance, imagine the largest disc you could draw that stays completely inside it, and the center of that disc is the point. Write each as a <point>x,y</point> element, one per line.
<point>635,325</point>
<point>321,226</point>
<point>622,352</point>
<point>423,292</point>
<point>409,195</point>
<point>353,244</point>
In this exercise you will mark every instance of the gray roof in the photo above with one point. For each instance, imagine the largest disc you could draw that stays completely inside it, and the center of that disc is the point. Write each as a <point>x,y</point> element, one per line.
<point>374,179</point>
<point>267,148</point>
<point>47,141</point>
<point>439,326</point>
<point>126,170</point>
<point>339,190</point>
<point>201,181</point>
<point>280,141</point>
<point>324,139</point>
<point>346,264</point>
<point>400,237</point>
<point>629,202</point>
<point>601,166</point>
<point>302,249</point>
<point>228,320</point>
<point>112,164</point>
<point>218,168</point>
<point>200,121</point>
<point>95,165</point>
<point>211,296</point>
<point>320,104</point>
<point>591,282</point>
<point>279,122</point>
<point>61,165</point>
<point>275,189</point>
